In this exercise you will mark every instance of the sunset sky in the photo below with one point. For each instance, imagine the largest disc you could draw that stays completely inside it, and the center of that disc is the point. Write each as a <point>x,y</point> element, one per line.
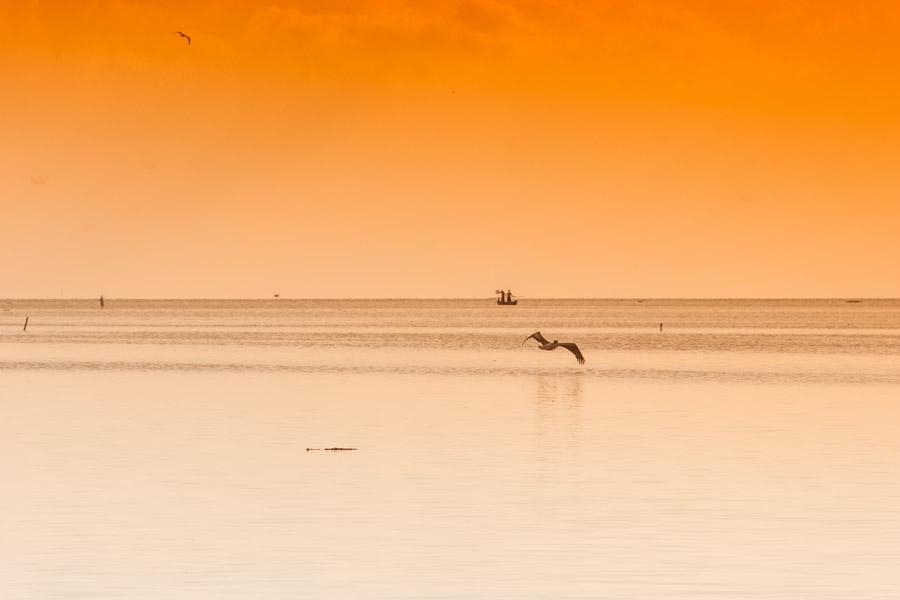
<point>385,148</point>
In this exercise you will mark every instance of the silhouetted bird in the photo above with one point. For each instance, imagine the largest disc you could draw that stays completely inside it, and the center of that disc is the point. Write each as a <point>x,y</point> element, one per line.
<point>184,35</point>
<point>548,345</point>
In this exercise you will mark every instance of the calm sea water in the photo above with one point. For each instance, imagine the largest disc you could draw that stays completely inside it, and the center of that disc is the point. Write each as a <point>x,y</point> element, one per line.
<point>158,449</point>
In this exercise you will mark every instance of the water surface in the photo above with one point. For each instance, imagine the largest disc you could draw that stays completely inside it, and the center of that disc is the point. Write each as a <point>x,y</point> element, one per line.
<point>157,449</point>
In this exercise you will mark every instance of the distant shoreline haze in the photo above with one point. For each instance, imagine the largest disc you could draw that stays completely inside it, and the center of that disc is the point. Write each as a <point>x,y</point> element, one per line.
<point>850,299</point>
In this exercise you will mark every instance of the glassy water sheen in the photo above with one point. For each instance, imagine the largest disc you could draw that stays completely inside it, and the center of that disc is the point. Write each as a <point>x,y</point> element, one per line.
<point>157,450</point>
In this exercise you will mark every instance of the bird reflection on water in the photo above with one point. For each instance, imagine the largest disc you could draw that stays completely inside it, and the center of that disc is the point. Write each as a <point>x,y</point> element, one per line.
<point>551,388</point>
<point>558,411</point>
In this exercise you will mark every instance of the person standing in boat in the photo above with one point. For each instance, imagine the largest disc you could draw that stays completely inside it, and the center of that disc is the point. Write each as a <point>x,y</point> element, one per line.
<point>508,296</point>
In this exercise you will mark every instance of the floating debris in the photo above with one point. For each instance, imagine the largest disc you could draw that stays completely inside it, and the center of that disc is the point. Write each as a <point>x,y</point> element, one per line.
<point>332,449</point>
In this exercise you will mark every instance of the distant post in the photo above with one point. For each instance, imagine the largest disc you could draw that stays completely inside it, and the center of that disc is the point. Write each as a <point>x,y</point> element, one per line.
<point>101,302</point>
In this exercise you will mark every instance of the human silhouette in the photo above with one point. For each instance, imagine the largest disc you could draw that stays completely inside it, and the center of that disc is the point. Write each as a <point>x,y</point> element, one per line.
<point>101,302</point>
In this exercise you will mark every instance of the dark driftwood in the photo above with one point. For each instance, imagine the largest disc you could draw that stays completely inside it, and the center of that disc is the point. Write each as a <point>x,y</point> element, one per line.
<point>26,324</point>
<point>331,449</point>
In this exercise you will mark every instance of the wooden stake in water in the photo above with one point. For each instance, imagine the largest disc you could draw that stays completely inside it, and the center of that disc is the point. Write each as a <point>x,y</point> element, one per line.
<point>26,324</point>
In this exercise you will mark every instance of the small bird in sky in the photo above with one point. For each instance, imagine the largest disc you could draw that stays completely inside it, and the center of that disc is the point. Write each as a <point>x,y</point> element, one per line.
<point>184,35</point>
<point>548,345</point>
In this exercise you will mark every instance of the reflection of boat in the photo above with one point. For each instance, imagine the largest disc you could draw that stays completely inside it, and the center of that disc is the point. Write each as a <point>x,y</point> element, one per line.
<point>505,298</point>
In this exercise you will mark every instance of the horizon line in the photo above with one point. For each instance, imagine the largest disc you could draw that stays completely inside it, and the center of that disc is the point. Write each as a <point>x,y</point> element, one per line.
<point>386,298</point>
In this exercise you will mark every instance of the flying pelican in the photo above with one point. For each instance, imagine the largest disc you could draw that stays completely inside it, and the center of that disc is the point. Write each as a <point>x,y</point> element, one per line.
<point>184,35</point>
<point>548,345</point>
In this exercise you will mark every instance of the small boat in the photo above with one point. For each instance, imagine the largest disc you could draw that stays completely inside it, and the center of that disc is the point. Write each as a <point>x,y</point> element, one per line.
<point>505,298</point>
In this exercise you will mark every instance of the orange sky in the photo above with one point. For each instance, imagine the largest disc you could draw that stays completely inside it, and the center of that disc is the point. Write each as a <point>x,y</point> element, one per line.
<point>387,148</point>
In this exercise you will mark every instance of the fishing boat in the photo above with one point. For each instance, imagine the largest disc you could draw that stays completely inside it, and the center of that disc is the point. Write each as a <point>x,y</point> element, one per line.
<point>505,298</point>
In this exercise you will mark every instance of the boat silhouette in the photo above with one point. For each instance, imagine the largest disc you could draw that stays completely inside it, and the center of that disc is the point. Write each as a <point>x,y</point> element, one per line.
<point>505,298</point>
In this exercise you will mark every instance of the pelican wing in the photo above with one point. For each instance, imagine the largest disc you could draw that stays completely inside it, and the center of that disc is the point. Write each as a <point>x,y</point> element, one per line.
<point>537,336</point>
<point>573,348</point>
